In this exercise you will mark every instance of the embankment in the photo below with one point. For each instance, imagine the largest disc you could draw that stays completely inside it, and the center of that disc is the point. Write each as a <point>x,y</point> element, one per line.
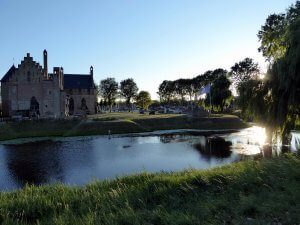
<point>117,125</point>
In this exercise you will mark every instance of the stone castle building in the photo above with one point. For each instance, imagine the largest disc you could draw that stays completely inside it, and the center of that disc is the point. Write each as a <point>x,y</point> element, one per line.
<point>30,91</point>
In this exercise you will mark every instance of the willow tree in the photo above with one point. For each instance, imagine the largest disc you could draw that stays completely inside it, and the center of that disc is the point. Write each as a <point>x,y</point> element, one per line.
<point>280,44</point>
<point>283,82</point>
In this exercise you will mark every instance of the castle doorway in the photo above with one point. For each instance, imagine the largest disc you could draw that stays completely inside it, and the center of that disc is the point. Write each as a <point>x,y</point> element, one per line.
<point>83,104</point>
<point>34,107</point>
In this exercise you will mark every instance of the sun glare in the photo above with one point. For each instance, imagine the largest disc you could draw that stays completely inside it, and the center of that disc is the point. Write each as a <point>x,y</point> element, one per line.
<point>258,135</point>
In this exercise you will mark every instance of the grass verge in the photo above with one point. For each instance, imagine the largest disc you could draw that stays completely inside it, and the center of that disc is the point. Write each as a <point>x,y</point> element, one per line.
<point>249,192</point>
<point>117,123</point>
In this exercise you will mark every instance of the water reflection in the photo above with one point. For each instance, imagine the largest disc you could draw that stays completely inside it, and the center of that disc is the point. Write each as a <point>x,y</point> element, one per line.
<point>34,163</point>
<point>214,146</point>
<point>79,160</point>
<point>172,138</point>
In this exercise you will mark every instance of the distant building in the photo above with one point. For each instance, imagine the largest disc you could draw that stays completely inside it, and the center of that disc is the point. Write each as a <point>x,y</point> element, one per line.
<point>29,90</point>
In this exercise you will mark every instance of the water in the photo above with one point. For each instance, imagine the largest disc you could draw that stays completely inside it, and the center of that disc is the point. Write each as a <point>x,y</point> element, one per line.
<point>80,160</point>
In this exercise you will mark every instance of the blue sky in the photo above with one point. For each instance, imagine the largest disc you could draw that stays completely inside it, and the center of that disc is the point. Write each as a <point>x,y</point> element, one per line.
<point>148,40</point>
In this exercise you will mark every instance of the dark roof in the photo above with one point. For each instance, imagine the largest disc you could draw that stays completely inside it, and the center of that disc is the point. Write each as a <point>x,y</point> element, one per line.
<point>78,81</point>
<point>9,72</point>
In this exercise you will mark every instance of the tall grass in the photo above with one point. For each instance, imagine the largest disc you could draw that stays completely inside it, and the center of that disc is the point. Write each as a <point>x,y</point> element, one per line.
<point>250,192</point>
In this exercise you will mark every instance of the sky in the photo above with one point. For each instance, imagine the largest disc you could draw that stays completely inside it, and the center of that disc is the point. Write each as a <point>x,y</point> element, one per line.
<point>147,40</point>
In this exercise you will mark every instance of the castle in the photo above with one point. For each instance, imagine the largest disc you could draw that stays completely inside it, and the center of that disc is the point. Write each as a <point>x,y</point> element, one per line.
<point>30,91</point>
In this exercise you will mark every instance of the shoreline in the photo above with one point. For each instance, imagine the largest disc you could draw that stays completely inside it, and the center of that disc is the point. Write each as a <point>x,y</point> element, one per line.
<point>134,125</point>
<point>192,132</point>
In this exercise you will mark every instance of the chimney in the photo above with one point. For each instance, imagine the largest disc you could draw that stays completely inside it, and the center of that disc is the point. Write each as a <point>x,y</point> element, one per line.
<point>45,64</point>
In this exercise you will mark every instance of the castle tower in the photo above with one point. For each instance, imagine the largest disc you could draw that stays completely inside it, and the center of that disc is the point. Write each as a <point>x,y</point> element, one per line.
<point>45,64</point>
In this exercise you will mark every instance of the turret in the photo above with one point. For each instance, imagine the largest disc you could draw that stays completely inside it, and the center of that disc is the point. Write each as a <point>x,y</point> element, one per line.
<point>58,76</point>
<point>61,78</point>
<point>92,75</point>
<point>45,64</point>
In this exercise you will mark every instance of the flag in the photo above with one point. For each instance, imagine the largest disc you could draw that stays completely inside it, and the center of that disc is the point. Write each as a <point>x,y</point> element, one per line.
<point>205,89</point>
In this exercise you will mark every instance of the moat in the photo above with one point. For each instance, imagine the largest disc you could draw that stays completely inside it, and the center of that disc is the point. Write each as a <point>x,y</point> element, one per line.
<point>80,160</point>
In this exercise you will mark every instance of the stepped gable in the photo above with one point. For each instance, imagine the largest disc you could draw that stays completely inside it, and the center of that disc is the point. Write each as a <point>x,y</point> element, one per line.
<point>8,74</point>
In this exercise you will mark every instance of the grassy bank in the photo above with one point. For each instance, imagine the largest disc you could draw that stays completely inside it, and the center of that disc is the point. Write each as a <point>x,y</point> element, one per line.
<point>252,192</point>
<point>117,123</point>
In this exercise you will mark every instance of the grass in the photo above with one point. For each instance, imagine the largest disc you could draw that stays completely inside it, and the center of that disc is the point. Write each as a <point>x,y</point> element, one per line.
<point>250,192</point>
<point>117,123</point>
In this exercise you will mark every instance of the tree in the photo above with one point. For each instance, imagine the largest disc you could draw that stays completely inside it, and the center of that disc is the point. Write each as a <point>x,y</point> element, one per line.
<point>180,88</point>
<point>253,100</point>
<point>273,35</point>
<point>143,99</point>
<point>241,73</point>
<point>274,100</point>
<point>166,91</point>
<point>244,70</point>
<point>283,82</point>
<point>220,93</point>
<point>189,88</point>
<point>211,76</point>
<point>128,89</point>
<point>198,82</point>
<point>108,89</point>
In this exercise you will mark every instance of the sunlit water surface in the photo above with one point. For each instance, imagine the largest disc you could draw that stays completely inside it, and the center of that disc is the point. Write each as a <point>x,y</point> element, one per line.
<point>79,160</point>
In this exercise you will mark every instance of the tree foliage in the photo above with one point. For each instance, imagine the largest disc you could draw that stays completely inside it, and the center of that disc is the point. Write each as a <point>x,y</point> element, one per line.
<point>244,71</point>
<point>274,100</point>
<point>143,99</point>
<point>170,91</point>
<point>166,91</point>
<point>220,93</point>
<point>108,90</point>
<point>128,89</point>
<point>273,35</point>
